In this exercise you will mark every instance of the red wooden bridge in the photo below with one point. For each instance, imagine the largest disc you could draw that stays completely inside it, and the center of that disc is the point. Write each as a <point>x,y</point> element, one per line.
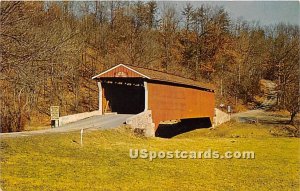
<point>133,90</point>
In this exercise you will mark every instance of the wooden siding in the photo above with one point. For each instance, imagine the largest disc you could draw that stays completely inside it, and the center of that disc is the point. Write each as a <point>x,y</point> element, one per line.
<point>170,102</point>
<point>121,70</point>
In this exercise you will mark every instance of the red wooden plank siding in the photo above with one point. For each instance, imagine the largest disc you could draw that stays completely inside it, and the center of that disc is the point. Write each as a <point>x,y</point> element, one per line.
<point>174,102</point>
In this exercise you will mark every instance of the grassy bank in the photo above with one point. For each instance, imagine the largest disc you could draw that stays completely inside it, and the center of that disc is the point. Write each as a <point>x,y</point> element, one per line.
<point>58,162</point>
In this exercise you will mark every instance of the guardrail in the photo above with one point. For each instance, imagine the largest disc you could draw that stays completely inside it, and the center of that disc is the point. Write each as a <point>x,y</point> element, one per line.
<point>78,116</point>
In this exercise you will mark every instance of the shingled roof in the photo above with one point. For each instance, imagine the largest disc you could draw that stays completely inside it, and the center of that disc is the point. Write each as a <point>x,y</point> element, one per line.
<point>158,76</point>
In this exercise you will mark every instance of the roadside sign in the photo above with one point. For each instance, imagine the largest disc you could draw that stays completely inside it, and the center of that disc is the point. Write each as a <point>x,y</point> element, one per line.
<point>54,111</point>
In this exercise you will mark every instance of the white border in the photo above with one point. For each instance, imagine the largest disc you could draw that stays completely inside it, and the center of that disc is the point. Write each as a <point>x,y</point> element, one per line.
<point>119,66</point>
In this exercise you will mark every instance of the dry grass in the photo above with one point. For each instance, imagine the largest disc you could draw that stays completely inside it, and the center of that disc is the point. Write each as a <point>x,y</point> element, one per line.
<point>58,162</point>
<point>38,122</point>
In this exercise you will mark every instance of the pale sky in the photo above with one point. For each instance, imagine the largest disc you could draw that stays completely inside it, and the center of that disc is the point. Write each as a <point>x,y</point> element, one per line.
<point>266,12</point>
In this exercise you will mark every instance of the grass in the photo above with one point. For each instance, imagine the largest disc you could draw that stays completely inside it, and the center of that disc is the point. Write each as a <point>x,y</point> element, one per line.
<point>38,122</point>
<point>58,162</point>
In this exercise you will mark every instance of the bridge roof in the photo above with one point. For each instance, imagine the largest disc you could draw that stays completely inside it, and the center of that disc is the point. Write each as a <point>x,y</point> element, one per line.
<point>125,71</point>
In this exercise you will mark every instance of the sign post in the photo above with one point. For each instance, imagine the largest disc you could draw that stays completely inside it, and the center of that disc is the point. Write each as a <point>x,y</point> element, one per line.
<point>54,111</point>
<point>81,134</point>
<point>229,110</point>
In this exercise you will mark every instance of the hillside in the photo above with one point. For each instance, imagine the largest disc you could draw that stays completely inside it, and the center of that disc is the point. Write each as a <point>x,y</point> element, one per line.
<point>50,50</point>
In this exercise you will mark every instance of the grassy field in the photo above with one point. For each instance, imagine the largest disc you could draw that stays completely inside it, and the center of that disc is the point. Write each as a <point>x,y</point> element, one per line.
<point>58,162</point>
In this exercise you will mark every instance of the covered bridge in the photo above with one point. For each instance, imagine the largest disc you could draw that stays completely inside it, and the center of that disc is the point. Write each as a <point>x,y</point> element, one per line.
<point>153,95</point>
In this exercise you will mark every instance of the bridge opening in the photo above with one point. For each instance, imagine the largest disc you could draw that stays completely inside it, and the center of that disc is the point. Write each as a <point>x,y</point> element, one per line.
<point>123,97</point>
<point>184,125</point>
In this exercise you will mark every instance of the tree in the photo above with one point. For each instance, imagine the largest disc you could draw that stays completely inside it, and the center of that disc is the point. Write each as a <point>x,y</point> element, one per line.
<point>188,13</point>
<point>292,97</point>
<point>168,29</point>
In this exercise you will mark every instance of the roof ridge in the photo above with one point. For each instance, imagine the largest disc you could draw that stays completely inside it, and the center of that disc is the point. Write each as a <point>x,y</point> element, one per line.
<point>161,72</point>
<point>158,75</point>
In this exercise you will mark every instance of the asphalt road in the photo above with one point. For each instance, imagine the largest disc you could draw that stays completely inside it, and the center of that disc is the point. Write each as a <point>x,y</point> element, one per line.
<point>96,122</point>
<point>259,114</point>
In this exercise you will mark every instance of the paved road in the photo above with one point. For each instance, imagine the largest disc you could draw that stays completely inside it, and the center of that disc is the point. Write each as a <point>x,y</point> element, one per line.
<point>95,122</point>
<point>250,116</point>
<point>258,114</point>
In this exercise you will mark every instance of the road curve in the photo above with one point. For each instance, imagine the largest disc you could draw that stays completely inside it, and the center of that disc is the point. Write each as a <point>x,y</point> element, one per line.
<point>96,122</point>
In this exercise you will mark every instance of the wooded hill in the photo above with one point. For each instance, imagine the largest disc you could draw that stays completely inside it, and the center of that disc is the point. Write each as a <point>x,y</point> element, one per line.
<point>50,51</point>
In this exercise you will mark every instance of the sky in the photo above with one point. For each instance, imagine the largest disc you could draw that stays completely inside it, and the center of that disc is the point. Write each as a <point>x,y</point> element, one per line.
<point>265,12</point>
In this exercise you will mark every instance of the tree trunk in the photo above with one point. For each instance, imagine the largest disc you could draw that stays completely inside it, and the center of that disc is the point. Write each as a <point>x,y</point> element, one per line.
<point>293,114</point>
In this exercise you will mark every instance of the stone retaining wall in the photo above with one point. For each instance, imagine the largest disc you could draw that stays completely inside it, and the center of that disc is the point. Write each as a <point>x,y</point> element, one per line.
<point>220,117</point>
<point>142,123</point>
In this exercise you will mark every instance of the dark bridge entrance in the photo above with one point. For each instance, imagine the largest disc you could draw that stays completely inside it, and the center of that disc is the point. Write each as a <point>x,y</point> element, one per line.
<point>123,97</point>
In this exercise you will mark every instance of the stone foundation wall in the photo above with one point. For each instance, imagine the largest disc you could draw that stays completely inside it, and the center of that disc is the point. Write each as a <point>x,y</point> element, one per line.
<point>142,123</point>
<point>220,117</point>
